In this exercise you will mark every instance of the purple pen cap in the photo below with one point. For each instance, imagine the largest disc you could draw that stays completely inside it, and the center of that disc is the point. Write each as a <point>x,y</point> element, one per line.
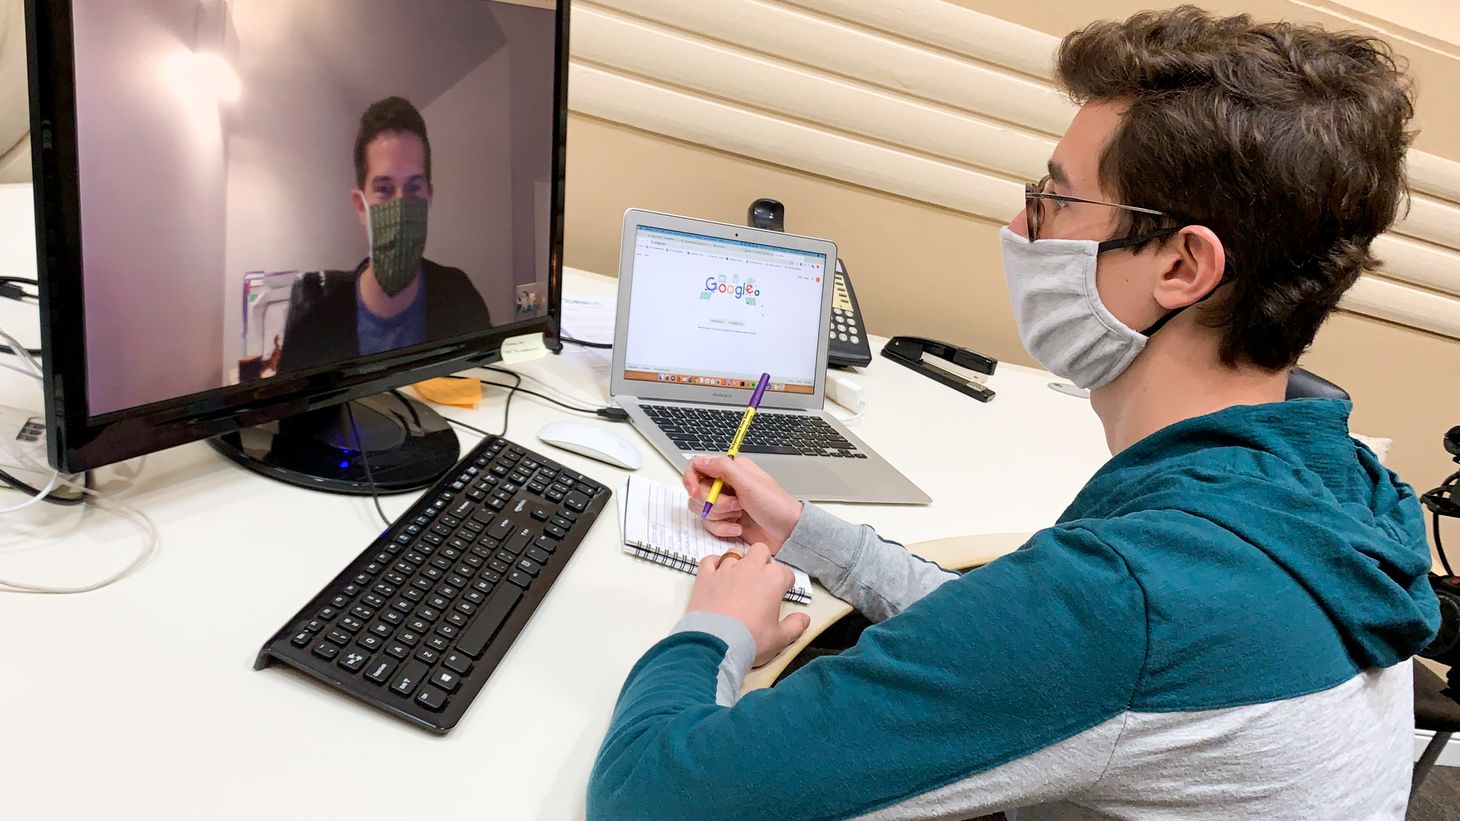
<point>765,381</point>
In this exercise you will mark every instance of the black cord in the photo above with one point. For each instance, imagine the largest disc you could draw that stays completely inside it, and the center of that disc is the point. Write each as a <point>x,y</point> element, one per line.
<point>365,458</point>
<point>50,498</point>
<point>581,343</point>
<point>608,412</point>
<point>10,288</point>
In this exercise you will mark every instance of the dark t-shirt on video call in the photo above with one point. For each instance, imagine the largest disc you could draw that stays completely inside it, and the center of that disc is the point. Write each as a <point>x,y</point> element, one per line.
<point>325,324</point>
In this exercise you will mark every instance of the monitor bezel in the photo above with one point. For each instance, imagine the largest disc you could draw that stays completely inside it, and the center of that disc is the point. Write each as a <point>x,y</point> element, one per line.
<point>77,440</point>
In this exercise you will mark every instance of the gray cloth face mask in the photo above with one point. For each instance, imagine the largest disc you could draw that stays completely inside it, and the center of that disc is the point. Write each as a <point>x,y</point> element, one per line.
<point>1062,322</point>
<point>397,233</point>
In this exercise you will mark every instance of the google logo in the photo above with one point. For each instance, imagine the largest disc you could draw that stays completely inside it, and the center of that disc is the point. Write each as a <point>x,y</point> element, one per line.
<point>739,291</point>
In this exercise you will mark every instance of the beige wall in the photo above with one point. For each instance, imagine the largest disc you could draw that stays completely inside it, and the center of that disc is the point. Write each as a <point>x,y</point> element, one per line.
<point>921,268</point>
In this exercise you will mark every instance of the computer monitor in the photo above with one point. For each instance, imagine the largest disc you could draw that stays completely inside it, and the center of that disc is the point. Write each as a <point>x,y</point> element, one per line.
<point>252,214</point>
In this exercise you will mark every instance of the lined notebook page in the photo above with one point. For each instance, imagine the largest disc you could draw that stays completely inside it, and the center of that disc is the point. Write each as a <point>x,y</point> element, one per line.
<point>659,526</point>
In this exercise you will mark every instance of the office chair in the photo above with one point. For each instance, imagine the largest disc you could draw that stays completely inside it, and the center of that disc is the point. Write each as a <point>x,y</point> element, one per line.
<point>1436,710</point>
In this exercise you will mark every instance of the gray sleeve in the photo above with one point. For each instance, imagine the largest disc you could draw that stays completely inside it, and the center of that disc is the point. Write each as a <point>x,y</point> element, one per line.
<point>739,650</point>
<point>877,577</point>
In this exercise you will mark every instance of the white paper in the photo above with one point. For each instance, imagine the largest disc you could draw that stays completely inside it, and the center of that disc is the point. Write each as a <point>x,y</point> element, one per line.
<point>658,515</point>
<point>590,319</point>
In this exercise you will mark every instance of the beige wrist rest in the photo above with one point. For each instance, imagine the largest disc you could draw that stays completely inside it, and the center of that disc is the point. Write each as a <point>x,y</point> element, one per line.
<point>956,553</point>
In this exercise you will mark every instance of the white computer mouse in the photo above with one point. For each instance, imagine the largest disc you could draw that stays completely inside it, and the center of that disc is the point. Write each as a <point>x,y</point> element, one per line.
<point>592,441</point>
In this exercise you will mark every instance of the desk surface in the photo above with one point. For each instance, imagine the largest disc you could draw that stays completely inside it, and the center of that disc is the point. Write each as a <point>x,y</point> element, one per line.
<point>139,700</point>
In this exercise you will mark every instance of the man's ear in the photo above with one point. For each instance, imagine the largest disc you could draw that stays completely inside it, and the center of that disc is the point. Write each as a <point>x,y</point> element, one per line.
<point>357,198</point>
<point>1195,267</point>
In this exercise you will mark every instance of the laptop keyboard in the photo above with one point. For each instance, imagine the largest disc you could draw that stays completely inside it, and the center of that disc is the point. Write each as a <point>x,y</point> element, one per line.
<point>710,430</point>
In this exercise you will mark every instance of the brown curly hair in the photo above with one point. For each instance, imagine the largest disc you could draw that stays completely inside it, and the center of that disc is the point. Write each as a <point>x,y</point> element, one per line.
<point>1285,140</point>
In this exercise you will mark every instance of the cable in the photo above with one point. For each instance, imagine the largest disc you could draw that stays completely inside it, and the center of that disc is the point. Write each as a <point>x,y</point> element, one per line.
<point>365,458</point>
<point>609,412</point>
<point>10,288</point>
<point>583,344</point>
<point>545,384</point>
<point>51,498</point>
<point>103,502</point>
<point>472,428</point>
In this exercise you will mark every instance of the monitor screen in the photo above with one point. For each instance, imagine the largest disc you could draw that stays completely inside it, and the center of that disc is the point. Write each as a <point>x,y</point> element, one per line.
<point>270,188</point>
<point>704,308</point>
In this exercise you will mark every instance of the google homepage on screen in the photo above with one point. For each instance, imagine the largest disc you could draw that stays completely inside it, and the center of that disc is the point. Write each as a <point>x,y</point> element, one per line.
<point>718,313</point>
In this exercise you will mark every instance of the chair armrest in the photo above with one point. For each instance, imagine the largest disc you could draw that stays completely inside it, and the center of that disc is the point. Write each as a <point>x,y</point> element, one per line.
<point>956,553</point>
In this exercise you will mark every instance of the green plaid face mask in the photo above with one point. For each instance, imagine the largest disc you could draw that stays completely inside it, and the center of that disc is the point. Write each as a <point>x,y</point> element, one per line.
<point>397,232</point>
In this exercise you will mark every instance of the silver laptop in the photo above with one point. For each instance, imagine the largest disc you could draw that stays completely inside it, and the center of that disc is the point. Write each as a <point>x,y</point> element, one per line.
<point>703,309</point>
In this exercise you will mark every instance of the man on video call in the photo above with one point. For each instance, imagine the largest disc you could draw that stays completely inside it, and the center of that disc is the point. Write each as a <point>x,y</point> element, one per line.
<point>395,297</point>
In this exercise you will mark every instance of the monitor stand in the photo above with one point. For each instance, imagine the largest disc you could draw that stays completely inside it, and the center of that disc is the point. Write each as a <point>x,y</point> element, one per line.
<point>409,445</point>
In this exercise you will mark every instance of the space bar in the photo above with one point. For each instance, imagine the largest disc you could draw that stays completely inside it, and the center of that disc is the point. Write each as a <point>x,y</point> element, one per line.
<point>786,449</point>
<point>479,633</point>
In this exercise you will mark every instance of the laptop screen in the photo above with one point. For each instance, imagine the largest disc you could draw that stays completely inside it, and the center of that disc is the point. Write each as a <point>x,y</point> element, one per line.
<point>717,313</point>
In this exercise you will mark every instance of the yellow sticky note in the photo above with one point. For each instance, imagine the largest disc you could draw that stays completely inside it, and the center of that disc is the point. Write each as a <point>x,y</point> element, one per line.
<point>523,348</point>
<point>462,393</point>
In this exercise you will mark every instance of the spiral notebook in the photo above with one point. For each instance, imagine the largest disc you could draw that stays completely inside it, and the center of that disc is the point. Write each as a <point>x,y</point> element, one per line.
<point>658,525</point>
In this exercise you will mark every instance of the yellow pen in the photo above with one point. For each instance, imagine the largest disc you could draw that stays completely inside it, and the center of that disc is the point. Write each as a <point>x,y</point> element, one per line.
<point>765,380</point>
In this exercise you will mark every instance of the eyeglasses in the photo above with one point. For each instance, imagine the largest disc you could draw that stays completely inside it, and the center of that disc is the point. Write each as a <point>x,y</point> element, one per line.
<point>1035,197</point>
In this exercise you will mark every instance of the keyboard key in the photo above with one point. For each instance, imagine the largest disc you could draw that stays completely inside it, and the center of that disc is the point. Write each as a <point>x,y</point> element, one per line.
<point>398,650</point>
<point>328,613</point>
<point>353,661</point>
<point>447,680</point>
<point>408,637</point>
<point>339,637</point>
<point>380,671</point>
<point>520,579</point>
<point>459,662</point>
<point>438,642</point>
<point>476,637</point>
<point>352,624</point>
<point>538,555</point>
<point>325,650</point>
<point>302,638</point>
<point>427,655</point>
<point>431,698</point>
<point>409,679</point>
<point>370,641</point>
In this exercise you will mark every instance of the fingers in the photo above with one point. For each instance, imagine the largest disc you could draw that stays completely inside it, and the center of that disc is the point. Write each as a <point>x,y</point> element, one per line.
<point>709,564</point>
<point>723,529</point>
<point>792,626</point>
<point>759,553</point>
<point>717,467</point>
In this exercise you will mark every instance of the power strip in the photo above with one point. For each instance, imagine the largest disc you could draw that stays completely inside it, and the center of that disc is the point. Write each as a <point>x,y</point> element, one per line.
<point>23,432</point>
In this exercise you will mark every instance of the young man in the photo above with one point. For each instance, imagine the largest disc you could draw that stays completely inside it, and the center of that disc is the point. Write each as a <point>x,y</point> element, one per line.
<point>395,297</point>
<point>1220,624</point>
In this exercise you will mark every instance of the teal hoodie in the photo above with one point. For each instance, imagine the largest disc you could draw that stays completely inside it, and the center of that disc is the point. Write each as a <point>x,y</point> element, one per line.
<point>1253,557</point>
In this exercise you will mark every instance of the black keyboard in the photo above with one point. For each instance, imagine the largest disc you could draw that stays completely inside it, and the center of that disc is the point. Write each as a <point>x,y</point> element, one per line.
<point>416,624</point>
<point>711,429</point>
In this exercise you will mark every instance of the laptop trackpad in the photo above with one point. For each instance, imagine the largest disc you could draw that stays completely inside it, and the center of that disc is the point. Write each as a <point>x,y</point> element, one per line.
<point>810,477</point>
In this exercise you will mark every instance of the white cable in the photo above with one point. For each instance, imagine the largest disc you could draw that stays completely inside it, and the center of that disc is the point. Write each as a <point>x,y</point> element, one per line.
<point>34,371</point>
<point>100,500</point>
<point>118,509</point>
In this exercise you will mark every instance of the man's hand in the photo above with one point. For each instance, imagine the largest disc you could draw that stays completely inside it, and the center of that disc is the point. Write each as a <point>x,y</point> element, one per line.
<point>749,590</point>
<point>751,505</point>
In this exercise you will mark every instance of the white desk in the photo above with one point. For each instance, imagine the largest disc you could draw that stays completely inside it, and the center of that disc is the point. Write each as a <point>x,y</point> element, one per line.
<point>140,701</point>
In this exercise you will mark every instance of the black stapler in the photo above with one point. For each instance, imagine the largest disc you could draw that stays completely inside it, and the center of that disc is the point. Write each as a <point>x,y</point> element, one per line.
<point>909,351</point>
